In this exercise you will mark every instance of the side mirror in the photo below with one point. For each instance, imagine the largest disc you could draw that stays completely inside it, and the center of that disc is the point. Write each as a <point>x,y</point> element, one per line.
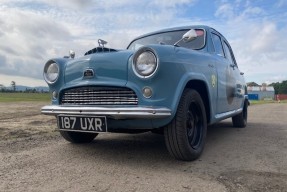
<point>189,36</point>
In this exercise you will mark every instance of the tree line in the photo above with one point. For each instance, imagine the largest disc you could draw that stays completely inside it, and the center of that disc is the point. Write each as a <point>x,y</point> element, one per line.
<point>27,90</point>
<point>13,89</point>
<point>279,88</point>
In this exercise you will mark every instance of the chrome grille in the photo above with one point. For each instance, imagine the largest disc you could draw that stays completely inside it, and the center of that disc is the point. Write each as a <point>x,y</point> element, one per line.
<point>99,96</point>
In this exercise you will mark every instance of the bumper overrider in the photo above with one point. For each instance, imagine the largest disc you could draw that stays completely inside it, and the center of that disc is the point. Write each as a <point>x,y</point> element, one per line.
<point>111,112</point>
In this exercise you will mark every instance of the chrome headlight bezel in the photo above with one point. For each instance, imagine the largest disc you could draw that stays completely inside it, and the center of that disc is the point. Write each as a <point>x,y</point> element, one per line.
<point>145,62</point>
<point>51,72</point>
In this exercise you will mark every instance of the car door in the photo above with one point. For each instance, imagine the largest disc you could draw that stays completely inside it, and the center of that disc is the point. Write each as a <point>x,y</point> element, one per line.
<point>234,79</point>
<point>223,77</point>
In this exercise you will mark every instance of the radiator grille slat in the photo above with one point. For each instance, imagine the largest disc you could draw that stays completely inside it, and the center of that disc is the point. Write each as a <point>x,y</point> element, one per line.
<point>99,96</point>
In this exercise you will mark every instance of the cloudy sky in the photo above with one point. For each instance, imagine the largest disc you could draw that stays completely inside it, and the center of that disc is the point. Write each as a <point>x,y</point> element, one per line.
<point>32,31</point>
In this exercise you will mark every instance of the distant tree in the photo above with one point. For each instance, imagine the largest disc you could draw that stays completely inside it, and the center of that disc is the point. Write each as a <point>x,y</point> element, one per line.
<point>280,88</point>
<point>276,87</point>
<point>283,88</point>
<point>13,85</point>
<point>252,84</point>
<point>2,88</point>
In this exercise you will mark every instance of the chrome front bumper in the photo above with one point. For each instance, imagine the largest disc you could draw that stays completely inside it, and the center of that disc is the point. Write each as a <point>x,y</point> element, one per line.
<point>112,112</point>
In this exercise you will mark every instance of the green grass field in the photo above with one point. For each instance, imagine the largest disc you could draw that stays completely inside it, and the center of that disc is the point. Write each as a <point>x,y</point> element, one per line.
<point>255,102</point>
<point>13,97</point>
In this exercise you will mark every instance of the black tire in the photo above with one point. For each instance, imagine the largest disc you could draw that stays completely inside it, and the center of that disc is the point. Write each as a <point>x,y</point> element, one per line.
<point>185,135</point>
<point>240,120</point>
<point>78,137</point>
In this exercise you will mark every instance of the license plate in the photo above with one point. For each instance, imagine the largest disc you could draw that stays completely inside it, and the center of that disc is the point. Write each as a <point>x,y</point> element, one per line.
<point>82,123</point>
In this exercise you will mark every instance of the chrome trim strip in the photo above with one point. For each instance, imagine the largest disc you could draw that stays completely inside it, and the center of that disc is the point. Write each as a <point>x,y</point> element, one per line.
<point>227,114</point>
<point>113,112</point>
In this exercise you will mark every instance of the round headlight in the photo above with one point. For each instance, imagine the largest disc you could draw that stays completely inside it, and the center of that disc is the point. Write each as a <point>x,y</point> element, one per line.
<point>51,72</point>
<point>145,63</point>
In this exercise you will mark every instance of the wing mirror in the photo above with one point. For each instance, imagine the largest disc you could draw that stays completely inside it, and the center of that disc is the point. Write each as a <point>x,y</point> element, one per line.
<point>188,36</point>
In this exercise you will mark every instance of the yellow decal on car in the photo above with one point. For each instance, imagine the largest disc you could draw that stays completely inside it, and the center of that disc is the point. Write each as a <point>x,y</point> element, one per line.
<point>213,80</point>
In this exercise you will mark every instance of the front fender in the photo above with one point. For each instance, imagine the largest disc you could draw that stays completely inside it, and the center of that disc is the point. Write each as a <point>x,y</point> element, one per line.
<point>177,67</point>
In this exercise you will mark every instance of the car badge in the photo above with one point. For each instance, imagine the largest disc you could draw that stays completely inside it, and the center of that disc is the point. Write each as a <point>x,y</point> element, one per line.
<point>89,73</point>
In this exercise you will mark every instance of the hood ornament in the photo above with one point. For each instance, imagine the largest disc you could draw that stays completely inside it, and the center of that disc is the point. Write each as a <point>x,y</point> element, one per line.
<point>72,54</point>
<point>102,43</point>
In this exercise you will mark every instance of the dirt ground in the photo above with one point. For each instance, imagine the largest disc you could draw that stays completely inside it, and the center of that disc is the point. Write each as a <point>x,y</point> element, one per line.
<point>33,157</point>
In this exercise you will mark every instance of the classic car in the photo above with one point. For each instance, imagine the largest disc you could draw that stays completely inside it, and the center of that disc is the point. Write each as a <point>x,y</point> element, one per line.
<point>175,81</point>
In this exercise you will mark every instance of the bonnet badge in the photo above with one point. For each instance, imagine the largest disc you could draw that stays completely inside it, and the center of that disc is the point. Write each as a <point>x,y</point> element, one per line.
<point>89,73</point>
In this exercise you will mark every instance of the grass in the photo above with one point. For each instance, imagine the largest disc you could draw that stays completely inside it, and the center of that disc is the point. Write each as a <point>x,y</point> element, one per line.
<point>12,97</point>
<point>255,102</point>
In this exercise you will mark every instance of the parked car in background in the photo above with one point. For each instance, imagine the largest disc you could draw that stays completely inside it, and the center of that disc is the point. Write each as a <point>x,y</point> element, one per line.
<point>175,81</point>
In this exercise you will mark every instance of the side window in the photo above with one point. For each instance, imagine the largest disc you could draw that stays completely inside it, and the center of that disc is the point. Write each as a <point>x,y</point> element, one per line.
<point>228,53</point>
<point>217,44</point>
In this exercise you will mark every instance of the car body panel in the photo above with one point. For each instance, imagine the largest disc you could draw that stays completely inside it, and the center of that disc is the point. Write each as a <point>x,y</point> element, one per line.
<point>178,68</point>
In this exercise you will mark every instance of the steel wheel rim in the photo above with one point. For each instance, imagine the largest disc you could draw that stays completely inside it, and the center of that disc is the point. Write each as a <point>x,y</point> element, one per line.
<point>194,125</point>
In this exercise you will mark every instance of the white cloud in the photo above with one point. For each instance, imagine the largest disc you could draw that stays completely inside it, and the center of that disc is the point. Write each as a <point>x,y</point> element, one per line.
<point>253,11</point>
<point>281,3</point>
<point>257,40</point>
<point>74,4</point>
<point>172,3</point>
<point>263,38</point>
<point>225,11</point>
<point>32,31</point>
<point>26,39</point>
<point>20,80</point>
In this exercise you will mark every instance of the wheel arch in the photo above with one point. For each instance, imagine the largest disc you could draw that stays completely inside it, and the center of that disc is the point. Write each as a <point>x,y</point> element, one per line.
<point>201,87</point>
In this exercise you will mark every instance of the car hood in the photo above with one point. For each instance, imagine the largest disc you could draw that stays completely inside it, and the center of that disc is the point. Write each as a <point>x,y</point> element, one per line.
<point>107,67</point>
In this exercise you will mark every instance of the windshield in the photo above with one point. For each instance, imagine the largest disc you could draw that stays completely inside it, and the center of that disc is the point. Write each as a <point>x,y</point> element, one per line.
<point>169,38</point>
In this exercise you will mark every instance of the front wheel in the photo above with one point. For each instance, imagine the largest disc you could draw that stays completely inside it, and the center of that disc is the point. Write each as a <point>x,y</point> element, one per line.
<point>78,137</point>
<point>185,135</point>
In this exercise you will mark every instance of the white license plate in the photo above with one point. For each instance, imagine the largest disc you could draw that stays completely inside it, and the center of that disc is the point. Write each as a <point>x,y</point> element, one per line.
<point>82,123</point>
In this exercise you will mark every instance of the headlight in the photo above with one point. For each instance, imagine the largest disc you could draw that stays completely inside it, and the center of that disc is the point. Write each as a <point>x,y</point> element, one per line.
<point>51,72</point>
<point>145,63</point>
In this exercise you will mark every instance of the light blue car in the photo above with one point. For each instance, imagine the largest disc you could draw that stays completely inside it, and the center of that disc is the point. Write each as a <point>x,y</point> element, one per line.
<point>175,81</point>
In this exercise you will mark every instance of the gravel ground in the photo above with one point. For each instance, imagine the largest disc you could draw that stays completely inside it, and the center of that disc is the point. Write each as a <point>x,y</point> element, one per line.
<point>33,157</point>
